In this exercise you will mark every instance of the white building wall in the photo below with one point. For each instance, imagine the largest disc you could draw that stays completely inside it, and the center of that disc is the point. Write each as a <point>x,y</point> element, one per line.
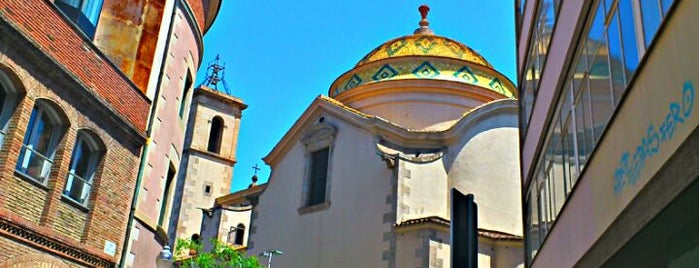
<point>350,233</point>
<point>422,190</point>
<point>486,164</point>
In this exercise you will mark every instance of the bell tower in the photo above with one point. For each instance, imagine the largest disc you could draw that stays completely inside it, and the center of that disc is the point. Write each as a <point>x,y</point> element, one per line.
<point>209,152</point>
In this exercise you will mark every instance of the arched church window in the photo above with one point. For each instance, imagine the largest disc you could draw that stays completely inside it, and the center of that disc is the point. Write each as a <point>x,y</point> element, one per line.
<point>40,141</point>
<point>239,234</point>
<point>215,135</point>
<point>84,13</point>
<point>83,166</point>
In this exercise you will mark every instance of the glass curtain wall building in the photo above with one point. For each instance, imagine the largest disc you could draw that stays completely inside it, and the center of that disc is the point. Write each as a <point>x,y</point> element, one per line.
<point>583,67</point>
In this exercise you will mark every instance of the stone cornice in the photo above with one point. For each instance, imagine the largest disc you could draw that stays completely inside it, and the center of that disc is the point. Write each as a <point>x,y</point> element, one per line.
<point>15,227</point>
<point>386,130</point>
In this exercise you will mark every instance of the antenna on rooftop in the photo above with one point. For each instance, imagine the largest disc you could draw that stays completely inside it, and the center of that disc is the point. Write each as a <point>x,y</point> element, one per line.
<point>215,74</point>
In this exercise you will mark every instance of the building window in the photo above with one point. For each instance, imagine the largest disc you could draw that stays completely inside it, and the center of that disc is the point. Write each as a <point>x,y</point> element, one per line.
<point>43,134</point>
<point>599,75</point>
<point>84,13</point>
<point>215,135</point>
<point>318,177</point>
<point>165,200</point>
<point>239,234</point>
<point>545,18</point>
<point>83,166</point>
<point>185,91</point>
<point>319,142</point>
<point>207,189</point>
<point>8,102</point>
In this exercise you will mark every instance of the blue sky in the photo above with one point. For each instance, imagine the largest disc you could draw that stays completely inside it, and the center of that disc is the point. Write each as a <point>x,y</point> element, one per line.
<point>280,55</point>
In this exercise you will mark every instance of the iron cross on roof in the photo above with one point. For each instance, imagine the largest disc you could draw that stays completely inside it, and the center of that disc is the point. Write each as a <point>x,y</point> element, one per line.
<point>256,168</point>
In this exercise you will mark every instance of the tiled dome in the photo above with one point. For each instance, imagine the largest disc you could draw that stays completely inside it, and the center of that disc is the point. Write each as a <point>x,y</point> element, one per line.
<point>421,44</point>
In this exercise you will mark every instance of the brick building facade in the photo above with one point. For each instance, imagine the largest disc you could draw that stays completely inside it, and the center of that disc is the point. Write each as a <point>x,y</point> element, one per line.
<point>87,90</point>
<point>72,132</point>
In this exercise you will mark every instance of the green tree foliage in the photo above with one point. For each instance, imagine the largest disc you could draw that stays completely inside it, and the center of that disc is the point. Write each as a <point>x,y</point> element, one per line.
<point>220,256</point>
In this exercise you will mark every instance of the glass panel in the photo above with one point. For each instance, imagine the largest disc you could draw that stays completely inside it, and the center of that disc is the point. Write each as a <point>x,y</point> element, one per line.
<point>37,151</point>
<point>586,102</point>
<point>628,37</point>
<point>580,71</point>
<point>616,65</point>
<point>568,154</point>
<point>650,12</point>
<point>608,6</point>
<point>573,167</point>
<point>580,132</point>
<point>77,188</point>
<point>3,96</point>
<point>3,116</point>
<point>33,164</point>
<point>666,6</point>
<point>319,173</point>
<point>91,9</point>
<point>556,170</point>
<point>596,35</point>
<point>534,235</point>
<point>600,92</point>
<point>82,168</point>
<point>543,209</point>
<point>81,160</point>
<point>72,3</point>
<point>528,101</point>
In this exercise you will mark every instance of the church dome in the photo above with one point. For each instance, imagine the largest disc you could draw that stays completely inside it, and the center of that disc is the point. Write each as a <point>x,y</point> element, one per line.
<point>423,45</point>
<point>421,81</point>
<point>427,57</point>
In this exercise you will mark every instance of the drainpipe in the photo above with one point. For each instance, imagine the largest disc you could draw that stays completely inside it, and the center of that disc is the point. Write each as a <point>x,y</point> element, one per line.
<point>149,129</point>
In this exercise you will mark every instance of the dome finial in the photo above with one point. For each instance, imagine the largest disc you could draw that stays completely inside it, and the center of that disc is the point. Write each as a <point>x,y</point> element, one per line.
<point>424,24</point>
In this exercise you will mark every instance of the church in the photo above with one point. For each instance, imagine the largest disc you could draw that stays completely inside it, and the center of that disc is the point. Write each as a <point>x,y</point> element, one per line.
<point>363,177</point>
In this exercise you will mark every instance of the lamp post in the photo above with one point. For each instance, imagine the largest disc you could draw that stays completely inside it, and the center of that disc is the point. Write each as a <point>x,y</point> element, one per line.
<point>164,259</point>
<point>268,253</point>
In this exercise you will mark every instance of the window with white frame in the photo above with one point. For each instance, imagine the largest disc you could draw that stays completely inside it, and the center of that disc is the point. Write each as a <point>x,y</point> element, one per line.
<point>83,166</point>
<point>39,147</point>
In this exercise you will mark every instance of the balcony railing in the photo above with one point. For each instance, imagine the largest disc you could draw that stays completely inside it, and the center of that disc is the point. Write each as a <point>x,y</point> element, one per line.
<point>77,188</point>
<point>33,164</point>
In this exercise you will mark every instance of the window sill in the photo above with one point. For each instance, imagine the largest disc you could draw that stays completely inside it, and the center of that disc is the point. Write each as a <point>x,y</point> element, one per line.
<point>74,203</point>
<point>314,208</point>
<point>31,180</point>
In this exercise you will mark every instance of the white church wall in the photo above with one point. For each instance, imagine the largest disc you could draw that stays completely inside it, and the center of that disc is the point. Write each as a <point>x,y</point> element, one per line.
<point>509,255</point>
<point>486,164</point>
<point>232,219</point>
<point>421,190</point>
<point>350,232</point>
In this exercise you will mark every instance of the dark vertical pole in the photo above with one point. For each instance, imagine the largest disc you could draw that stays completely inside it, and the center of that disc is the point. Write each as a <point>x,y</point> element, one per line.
<point>464,230</point>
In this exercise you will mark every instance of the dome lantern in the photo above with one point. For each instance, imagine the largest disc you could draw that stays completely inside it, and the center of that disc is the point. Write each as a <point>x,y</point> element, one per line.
<point>424,24</point>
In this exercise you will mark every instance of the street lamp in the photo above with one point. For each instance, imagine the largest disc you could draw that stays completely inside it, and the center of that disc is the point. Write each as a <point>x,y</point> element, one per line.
<point>268,253</point>
<point>164,259</point>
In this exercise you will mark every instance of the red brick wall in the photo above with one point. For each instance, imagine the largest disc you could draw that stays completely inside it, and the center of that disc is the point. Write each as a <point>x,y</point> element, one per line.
<point>42,209</point>
<point>41,24</point>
